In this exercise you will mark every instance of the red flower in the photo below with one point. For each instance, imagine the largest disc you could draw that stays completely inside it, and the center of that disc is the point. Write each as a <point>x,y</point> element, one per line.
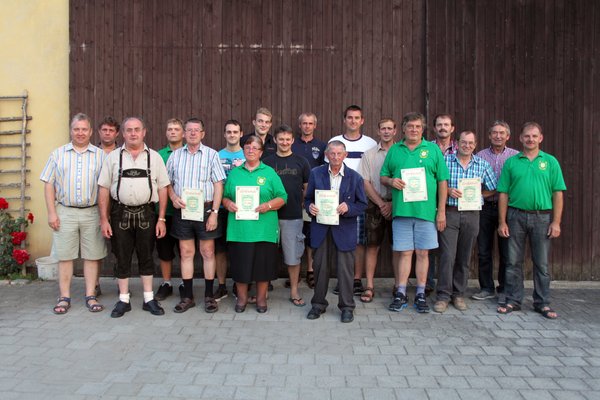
<point>20,256</point>
<point>3,203</point>
<point>18,237</point>
<point>30,217</point>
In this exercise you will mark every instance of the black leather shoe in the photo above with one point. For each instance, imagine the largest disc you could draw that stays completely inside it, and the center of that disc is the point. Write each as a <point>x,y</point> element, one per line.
<point>120,309</point>
<point>239,308</point>
<point>261,309</point>
<point>347,316</point>
<point>153,307</point>
<point>314,313</point>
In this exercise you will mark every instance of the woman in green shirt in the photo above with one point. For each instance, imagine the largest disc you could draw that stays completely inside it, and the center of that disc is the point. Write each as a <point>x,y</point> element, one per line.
<point>252,242</point>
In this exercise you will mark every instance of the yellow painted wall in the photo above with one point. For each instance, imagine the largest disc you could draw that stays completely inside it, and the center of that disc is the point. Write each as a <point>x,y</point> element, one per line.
<point>34,41</point>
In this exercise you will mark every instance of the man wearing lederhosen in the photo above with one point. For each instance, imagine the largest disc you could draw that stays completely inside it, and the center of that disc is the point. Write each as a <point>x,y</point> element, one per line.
<point>132,180</point>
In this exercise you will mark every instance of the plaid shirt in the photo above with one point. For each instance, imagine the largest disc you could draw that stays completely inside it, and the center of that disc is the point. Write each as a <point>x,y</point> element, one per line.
<point>477,168</point>
<point>452,149</point>
<point>497,162</point>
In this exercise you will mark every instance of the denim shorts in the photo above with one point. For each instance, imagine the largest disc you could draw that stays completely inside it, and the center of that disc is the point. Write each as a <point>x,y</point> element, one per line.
<point>414,234</point>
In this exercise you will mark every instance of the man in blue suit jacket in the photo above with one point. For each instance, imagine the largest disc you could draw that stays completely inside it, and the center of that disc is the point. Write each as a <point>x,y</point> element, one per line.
<point>335,242</point>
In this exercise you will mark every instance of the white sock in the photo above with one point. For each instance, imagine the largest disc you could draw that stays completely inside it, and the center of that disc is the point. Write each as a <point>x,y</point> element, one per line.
<point>124,297</point>
<point>148,296</point>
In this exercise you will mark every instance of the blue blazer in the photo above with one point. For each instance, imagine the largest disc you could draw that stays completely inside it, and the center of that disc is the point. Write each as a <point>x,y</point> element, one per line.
<point>352,192</point>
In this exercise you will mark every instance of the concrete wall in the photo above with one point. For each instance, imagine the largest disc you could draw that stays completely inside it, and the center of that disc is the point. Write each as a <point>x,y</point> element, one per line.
<point>34,39</point>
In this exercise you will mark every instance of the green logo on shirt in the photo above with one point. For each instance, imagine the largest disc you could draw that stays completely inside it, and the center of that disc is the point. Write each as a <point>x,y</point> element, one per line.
<point>424,153</point>
<point>261,180</point>
<point>543,165</point>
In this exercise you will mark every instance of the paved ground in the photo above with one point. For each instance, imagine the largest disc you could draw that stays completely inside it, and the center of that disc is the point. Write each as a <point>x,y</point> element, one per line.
<point>476,354</point>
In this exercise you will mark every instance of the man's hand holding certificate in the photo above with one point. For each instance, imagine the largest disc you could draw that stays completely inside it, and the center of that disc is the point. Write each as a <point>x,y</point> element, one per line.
<point>327,204</point>
<point>194,204</point>
<point>470,194</point>
<point>415,184</point>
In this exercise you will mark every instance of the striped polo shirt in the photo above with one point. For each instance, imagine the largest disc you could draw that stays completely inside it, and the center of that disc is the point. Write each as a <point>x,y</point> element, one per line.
<point>74,174</point>
<point>199,170</point>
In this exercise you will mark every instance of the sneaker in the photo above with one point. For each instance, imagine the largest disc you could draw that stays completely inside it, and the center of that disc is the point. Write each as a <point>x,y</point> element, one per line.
<point>459,303</point>
<point>164,291</point>
<point>421,303</point>
<point>400,302</point>
<point>440,306</point>
<point>358,287</point>
<point>221,293</point>
<point>483,295</point>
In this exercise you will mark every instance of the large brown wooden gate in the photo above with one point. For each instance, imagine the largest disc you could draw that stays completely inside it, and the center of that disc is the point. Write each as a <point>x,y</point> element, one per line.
<point>480,60</point>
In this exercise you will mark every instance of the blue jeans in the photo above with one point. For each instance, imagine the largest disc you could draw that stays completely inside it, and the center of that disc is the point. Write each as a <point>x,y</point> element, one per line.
<point>488,225</point>
<point>535,226</point>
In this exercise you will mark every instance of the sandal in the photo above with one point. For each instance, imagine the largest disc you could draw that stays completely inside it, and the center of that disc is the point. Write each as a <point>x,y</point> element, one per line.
<point>60,308</point>
<point>96,307</point>
<point>507,309</point>
<point>367,295</point>
<point>298,302</point>
<point>310,279</point>
<point>546,311</point>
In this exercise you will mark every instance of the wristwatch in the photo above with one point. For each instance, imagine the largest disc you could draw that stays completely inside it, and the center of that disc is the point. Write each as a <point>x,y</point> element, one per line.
<point>213,211</point>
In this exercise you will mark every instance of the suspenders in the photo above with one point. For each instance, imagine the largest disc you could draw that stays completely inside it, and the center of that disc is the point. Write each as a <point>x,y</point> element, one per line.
<point>134,173</point>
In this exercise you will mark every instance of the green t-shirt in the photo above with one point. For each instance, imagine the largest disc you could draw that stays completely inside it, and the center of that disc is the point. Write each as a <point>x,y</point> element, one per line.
<point>266,228</point>
<point>530,184</point>
<point>165,153</point>
<point>427,155</point>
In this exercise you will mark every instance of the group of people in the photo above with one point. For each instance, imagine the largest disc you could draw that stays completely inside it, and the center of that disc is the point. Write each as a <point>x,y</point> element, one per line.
<point>268,194</point>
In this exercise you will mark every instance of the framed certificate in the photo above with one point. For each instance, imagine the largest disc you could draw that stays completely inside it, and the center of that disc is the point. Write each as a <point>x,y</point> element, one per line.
<point>247,198</point>
<point>327,201</point>
<point>416,184</point>
<point>194,204</point>
<point>471,194</point>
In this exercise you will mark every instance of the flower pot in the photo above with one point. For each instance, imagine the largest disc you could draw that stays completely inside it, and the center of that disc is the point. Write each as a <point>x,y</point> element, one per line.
<point>47,268</point>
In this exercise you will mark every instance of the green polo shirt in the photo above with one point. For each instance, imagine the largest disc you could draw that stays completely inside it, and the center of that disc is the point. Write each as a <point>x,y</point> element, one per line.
<point>266,228</point>
<point>427,155</point>
<point>165,153</point>
<point>530,184</point>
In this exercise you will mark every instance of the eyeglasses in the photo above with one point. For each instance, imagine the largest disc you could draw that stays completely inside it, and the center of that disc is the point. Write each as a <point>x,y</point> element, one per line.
<point>250,148</point>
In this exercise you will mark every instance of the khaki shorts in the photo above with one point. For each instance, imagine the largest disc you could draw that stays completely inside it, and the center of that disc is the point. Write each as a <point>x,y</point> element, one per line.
<point>79,228</point>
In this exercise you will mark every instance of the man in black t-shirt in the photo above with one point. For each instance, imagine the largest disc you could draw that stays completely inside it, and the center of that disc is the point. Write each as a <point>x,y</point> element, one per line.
<point>294,172</point>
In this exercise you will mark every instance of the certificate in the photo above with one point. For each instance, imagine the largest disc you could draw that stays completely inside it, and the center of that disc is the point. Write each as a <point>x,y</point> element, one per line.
<point>194,204</point>
<point>471,194</point>
<point>327,201</point>
<point>416,184</point>
<point>247,199</point>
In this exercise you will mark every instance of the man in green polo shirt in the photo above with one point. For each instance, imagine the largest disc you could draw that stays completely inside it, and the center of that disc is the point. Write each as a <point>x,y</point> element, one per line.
<point>417,173</point>
<point>165,247</point>
<point>530,204</point>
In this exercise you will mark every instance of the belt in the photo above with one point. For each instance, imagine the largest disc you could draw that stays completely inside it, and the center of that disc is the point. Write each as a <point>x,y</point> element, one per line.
<point>536,212</point>
<point>82,207</point>
<point>455,208</point>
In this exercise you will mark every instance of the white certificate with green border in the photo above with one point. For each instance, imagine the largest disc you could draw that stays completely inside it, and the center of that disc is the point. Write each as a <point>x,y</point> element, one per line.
<point>247,199</point>
<point>471,194</point>
<point>327,201</point>
<point>194,204</point>
<point>415,188</point>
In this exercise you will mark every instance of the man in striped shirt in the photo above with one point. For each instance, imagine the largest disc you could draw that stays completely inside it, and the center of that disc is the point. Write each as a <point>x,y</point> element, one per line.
<point>71,193</point>
<point>462,226</point>
<point>196,166</point>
